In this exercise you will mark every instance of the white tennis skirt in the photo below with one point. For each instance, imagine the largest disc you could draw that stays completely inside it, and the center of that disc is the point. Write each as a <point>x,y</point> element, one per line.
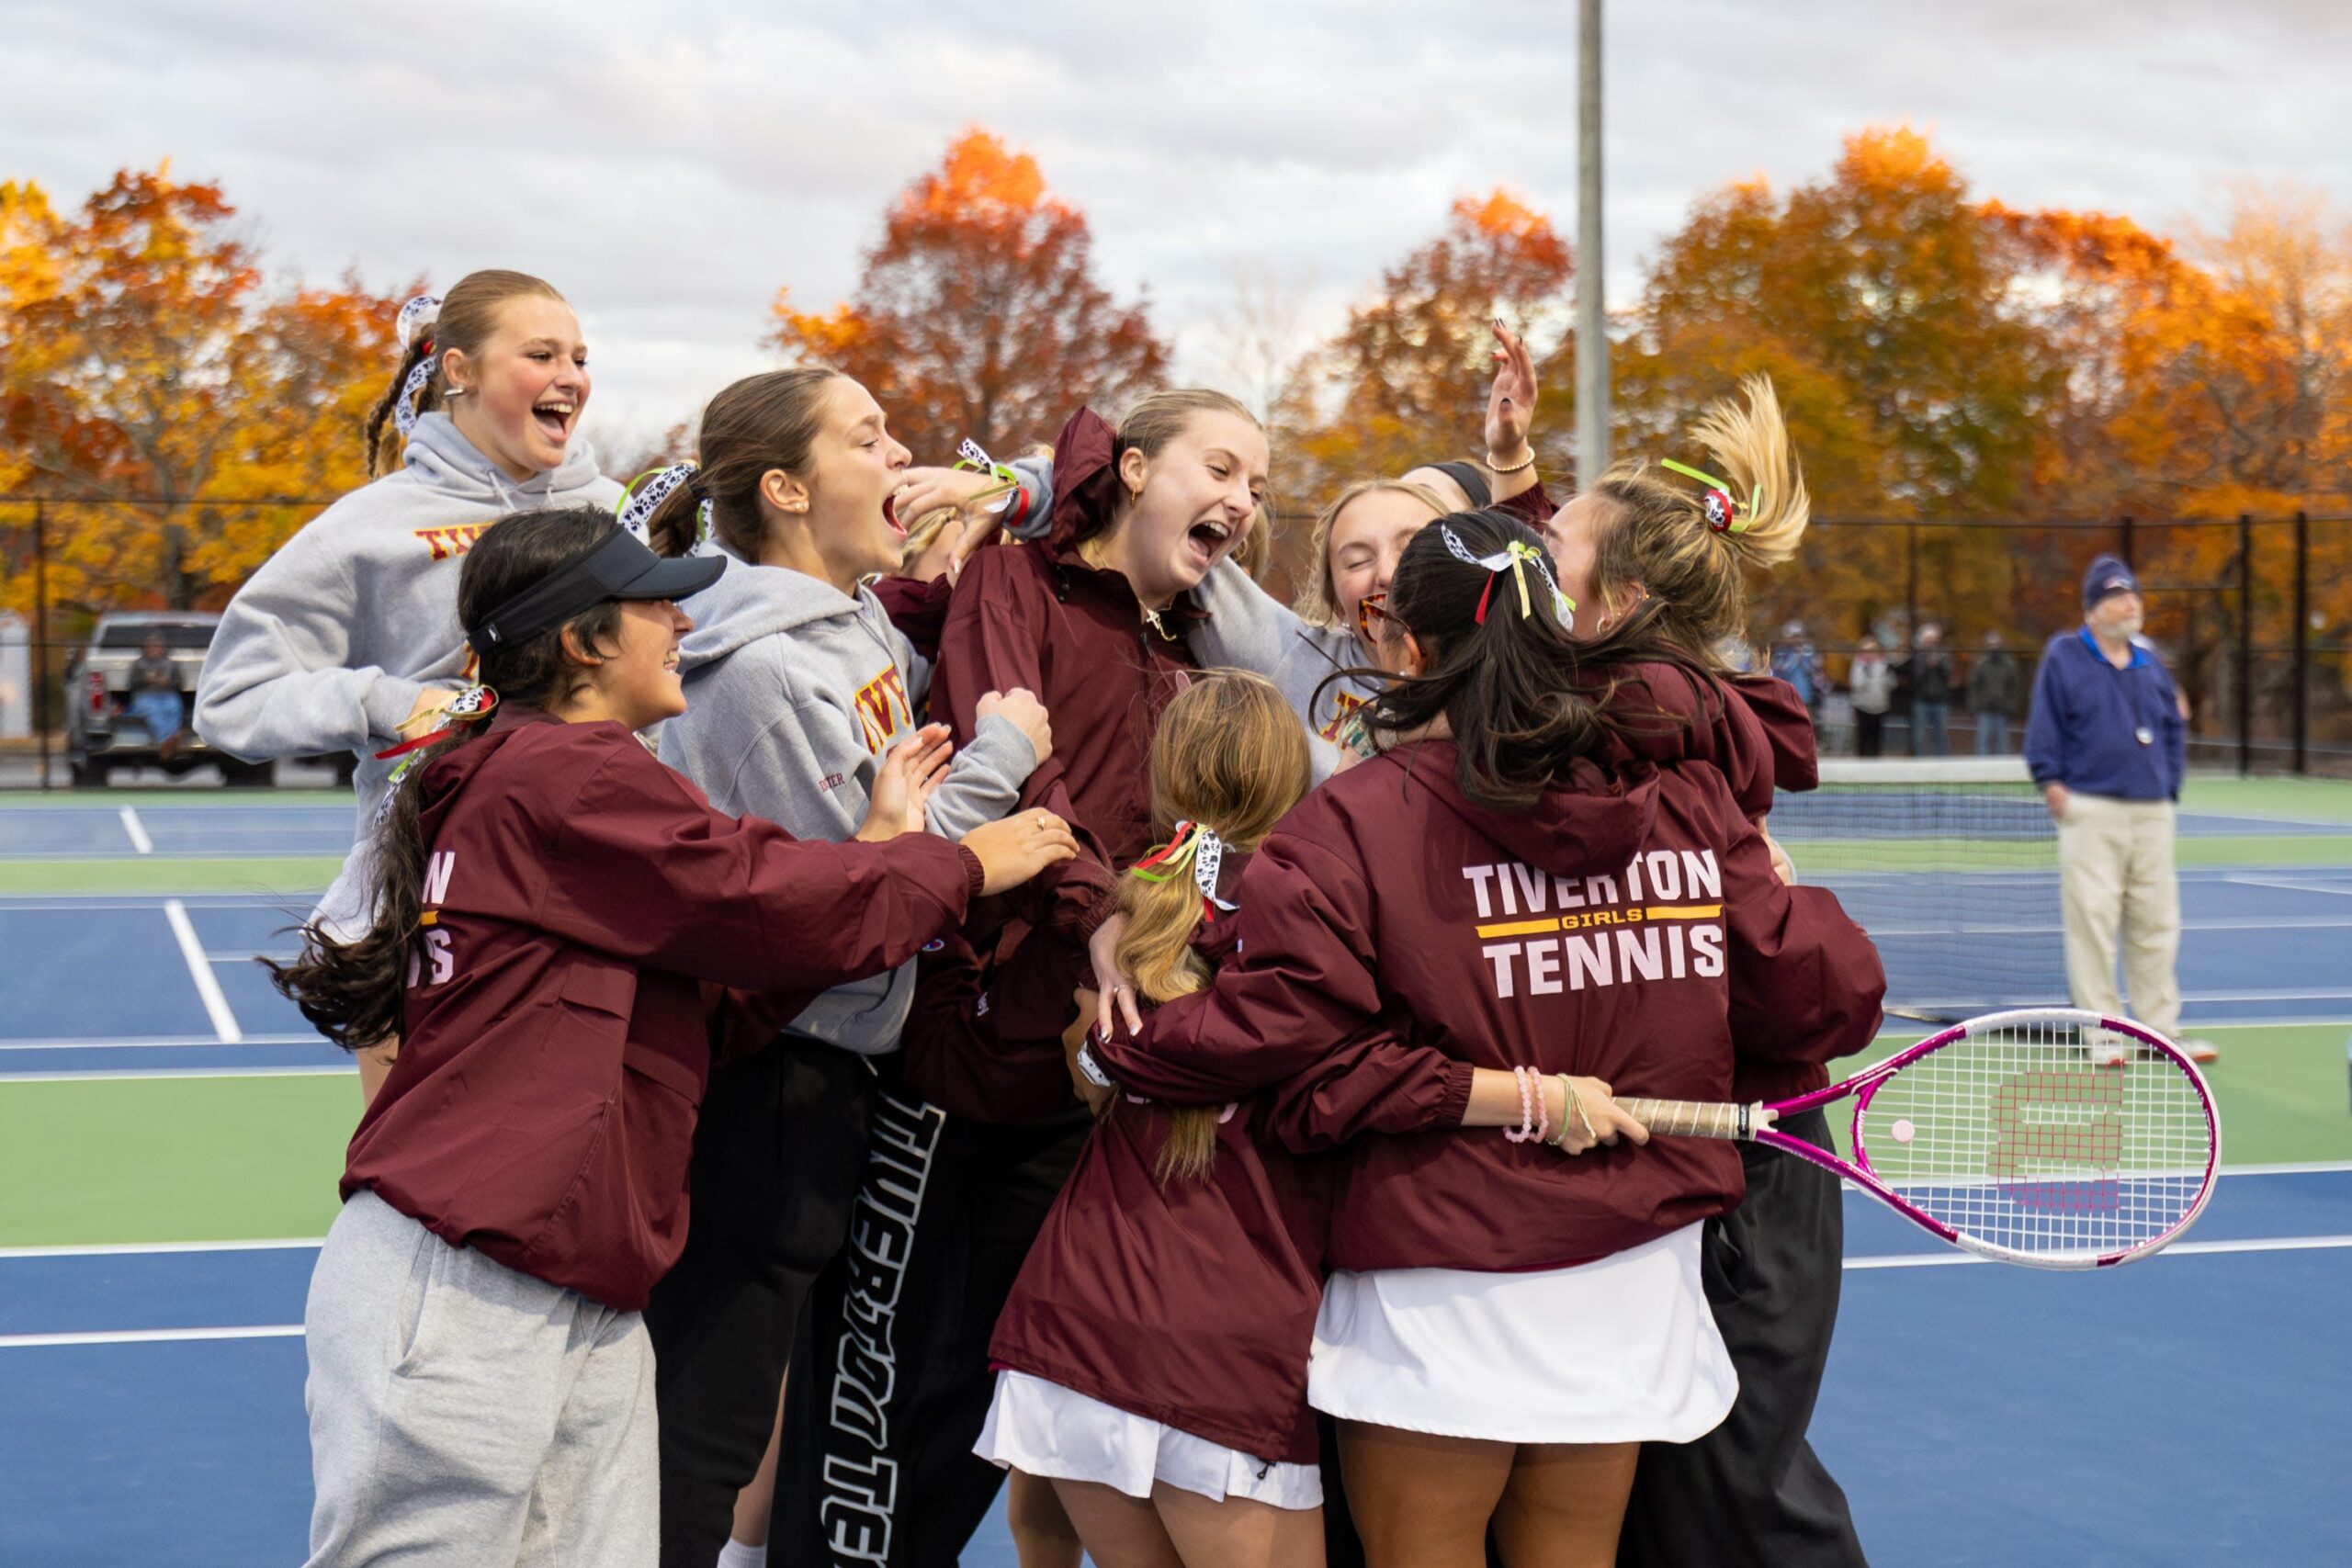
<point>1042,1429</point>
<point>1622,1349</point>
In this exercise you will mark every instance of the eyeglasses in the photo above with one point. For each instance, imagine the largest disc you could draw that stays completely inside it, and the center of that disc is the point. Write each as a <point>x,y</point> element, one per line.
<point>1374,618</point>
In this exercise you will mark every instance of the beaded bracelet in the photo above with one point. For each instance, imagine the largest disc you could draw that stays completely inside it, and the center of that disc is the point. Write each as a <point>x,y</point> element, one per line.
<point>1527,1098</point>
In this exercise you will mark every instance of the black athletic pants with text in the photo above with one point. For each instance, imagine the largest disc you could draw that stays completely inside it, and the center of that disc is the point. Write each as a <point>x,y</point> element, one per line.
<point>779,1150</point>
<point>1752,1492</point>
<point>890,1381</point>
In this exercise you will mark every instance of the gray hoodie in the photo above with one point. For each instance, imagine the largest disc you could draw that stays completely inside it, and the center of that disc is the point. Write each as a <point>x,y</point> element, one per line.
<point>793,691</point>
<point>326,647</point>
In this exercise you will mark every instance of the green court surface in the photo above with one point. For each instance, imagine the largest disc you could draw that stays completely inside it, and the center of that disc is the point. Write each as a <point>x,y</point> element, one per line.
<point>199,1158</point>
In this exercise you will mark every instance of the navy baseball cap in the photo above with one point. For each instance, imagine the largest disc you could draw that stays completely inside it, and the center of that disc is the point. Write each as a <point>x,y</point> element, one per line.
<point>620,568</point>
<point>2106,576</point>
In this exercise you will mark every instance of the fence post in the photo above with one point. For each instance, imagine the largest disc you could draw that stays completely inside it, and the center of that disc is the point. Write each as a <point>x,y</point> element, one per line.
<point>2299,687</point>
<point>2246,643</point>
<point>1911,623</point>
<point>40,638</point>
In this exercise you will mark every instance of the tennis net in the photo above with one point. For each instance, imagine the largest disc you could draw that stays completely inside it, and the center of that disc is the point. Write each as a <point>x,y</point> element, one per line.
<point>1950,865</point>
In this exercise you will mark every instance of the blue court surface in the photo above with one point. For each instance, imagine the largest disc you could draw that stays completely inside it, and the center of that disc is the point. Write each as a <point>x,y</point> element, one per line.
<point>2192,1409</point>
<point>2186,1410</point>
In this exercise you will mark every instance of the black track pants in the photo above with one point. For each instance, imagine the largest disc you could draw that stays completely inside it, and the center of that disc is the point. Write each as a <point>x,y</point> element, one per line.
<point>890,1381</point>
<point>778,1154</point>
<point>1752,1490</point>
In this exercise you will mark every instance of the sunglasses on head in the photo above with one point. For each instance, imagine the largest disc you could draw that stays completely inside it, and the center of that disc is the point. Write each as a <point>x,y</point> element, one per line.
<point>1372,616</point>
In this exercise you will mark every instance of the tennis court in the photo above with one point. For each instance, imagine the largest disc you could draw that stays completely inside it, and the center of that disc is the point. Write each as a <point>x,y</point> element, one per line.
<point>170,1133</point>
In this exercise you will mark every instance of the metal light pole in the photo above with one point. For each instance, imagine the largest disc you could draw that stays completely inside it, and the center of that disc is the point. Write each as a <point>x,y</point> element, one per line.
<point>1592,320</point>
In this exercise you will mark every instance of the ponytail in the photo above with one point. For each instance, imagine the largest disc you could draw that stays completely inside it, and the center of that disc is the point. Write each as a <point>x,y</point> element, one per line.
<point>1688,549</point>
<point>1229,759</point>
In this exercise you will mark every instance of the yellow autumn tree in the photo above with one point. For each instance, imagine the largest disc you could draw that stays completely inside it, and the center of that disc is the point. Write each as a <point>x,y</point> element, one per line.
<point>151,378</point>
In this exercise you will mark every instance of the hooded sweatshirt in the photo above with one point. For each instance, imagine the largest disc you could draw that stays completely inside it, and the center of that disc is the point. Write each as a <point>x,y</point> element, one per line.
<point>1626,925</point>
<point>794,693</point>
<point>583,906</point>
<point>327,646</point>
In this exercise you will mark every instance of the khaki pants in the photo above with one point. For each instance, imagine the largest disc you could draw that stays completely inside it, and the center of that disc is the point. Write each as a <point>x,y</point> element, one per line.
<point>2116,876</point>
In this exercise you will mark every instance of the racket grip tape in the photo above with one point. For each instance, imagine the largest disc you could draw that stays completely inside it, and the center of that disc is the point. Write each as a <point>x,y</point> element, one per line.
<point>1697,1119</point>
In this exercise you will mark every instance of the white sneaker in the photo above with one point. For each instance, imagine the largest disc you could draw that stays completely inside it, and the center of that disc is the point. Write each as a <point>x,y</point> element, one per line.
<point>2105,1049</point>
<point>2201,1051</point>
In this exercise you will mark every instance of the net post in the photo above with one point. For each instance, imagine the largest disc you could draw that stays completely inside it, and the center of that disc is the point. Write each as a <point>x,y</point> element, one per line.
<point>2299,686</point>
<point>2245,644</point>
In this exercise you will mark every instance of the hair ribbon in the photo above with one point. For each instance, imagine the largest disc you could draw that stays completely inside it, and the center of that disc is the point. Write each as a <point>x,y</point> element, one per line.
<point>471,706</point>
<point>1193,841</point>
<point>972,457</point>
<point>413,327</point>
<point>1514,557</point>
<point>649,489</point>
<point>1723,513</point>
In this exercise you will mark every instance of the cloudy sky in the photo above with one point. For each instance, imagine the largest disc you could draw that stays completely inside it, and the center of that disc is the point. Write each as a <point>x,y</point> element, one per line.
<point>670,166</point>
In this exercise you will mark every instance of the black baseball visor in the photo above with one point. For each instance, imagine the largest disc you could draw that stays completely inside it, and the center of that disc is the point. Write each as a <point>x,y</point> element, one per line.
<point>620,568</point>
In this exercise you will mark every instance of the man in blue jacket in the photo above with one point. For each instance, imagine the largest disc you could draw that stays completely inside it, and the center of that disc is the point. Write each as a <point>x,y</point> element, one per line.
<point>2108,744</point>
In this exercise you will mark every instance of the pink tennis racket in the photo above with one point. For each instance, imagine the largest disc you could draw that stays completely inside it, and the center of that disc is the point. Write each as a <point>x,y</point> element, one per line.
<point>2009,1135</point>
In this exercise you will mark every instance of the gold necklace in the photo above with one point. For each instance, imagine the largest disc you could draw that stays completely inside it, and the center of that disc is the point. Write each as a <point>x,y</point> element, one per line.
<point>1153,615</point>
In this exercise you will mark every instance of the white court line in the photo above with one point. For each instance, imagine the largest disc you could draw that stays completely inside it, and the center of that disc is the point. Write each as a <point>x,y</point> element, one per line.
<point>151,1336</point>
<point>145,1041</point>
<point>154,1248</point>
<point>208,986</point>
<point>138,832</point>
<point>2289,885</point>
<point>2177,1249</point>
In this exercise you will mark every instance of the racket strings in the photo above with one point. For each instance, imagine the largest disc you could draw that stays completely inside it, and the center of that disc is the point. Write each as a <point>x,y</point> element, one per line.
<point>2020,1138</point>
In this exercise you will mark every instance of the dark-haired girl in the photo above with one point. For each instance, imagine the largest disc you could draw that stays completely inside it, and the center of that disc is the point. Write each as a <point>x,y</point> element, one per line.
<point>799,689</point>
<point>1752,1492</point>
<point>1511,885</point>
<point>553,915</point>
<point>348,637</point>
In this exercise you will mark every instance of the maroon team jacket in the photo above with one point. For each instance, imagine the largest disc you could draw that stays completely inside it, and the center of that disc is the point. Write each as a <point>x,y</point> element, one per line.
<point>1627,925</point>
<point>583,905</point>
<point>1194,1303</point>
<point>1036,614</point>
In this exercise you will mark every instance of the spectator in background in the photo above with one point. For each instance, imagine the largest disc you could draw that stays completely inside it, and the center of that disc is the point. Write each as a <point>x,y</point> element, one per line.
<point>153,698</point>
<point>2107,743</point>
<point>1992,686</point>
<point>1795,662</point>
<point>1930,671</point>
<point>1871,683</point>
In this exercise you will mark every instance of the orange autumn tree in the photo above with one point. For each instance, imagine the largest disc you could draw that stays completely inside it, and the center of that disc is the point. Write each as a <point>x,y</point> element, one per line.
<point>145,363</point>
<point>977,314</point>
<point>1405,380</point>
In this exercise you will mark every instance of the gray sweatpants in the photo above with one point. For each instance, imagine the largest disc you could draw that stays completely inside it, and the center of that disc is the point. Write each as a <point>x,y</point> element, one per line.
<point>462,1413</point>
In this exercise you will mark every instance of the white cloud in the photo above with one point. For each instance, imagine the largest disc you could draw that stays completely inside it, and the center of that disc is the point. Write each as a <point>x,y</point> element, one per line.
<point>670,167</point>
